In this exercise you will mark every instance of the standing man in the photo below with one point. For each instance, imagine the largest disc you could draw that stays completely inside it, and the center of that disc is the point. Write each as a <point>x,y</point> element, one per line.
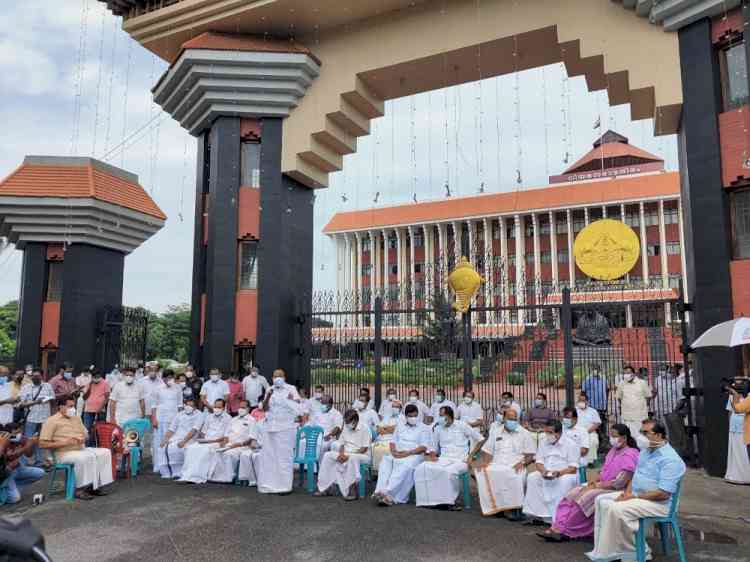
<point>255,387</point>
<point>214,389</point>
<point>590,420</point>
<point>508,401</point>
<point>166,406</point>
<point>741,405</point>
<point>193,383</point>
<point>597,389</point>
<point>236,393</point>
<point>385,406</point>
<point>37,397</point>
<point>633,394</point>
<point>82,381</point>
<point>150,383</point>
<point>64,384</point>
<point>6,397</point>
<point>95,396</point>
<point>127,400</point>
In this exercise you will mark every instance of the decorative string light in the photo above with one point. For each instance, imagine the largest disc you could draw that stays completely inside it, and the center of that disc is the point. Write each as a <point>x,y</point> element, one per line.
<point>79,75</point>
<point>184,180</point>
<point>497,130</point>
<point>125,100</point>
<point>111,83</point>
<point>413,110</point>
<point>480,147</point>
<point>546,124</point>
<point>98,82</point>
<point>517,104</point>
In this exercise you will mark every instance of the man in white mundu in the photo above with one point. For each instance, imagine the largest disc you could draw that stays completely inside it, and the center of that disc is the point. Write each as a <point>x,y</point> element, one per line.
<point>274,466</point>
<point>167,401</point>
<point>385,430</point>
<point>396,473</point>
<point>65,434</point>
<point>436,479</point>
<point>330,419</point>
<point>181,432</point>
<point>249,457</point>
<point>340,465</point>
<point>557,461</point>
<point>199,456</point>
<point>241,435</point>
<point>501,469</point>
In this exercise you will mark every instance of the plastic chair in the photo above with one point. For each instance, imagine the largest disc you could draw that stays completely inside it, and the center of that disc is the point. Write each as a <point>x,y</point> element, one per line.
<point>582,475</point>
<point>70,477</point>
<point>140,425</point>
<point>664,524</point>
<point>109,436</point>
<point>364,476</point>
<point>4,491</point>
<point>465,486</point>
<point>310,434</point>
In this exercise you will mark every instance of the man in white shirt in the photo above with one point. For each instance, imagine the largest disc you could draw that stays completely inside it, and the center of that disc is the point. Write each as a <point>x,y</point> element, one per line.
<point>150,384</point>
<point>6,397</point>
<point>368,417</point>
<point>315,400</point>
<point>438,402</point>
<point>385,406</point>
<point>668,391</point>
<point>254,386</point>
<point>341,464</point>
<point>576,433</point>
<point>167,402</point>
<point>590,420</point>
<point>328,418</point>
<point>436,480</point>
<point>509,402</point>
<point>199,456</point>
<point>214,389</point>
<point>127,400</point>
<point>242,433</point>
<point>557,461</point>
<point>633,394</point>
<point>385,430</point>
<point>82,381</point>
<point>470,411</point>
<point>364,396</point>
<point>182,431</point>
<point>422,409</point>
<point>37,397</point>
<point>396,473</point>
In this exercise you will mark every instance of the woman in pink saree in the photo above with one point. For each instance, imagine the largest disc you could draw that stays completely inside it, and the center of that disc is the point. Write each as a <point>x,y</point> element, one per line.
<point>574,517</point>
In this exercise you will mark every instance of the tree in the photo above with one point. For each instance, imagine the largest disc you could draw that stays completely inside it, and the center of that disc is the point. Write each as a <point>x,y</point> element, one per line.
<point>8,328</point>
<point>440,328</point>
<point>169,333</point>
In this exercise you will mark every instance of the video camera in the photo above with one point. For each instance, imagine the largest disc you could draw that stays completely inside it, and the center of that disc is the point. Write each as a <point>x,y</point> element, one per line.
<point>741,385</point>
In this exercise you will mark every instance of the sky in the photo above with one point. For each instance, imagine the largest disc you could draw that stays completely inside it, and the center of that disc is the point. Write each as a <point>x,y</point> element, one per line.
<point>75,84</point>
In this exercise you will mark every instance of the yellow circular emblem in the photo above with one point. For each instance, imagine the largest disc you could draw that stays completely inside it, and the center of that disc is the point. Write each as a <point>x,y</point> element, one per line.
<point>606,249</point>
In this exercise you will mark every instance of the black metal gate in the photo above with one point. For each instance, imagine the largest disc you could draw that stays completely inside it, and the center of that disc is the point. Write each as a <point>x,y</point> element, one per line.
<point>122,336</point>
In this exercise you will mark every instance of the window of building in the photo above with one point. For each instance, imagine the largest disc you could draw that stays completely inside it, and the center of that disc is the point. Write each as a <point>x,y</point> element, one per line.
<point>250,164</point>
<point>655,280</point>
<point>418,240</point>
<point>419,292</point>
<point>510,231</point>
<point>529,229</point>
<point>671,215</point>
<point>741,223</point>
<point>393,292</point>
<point>394,269</point>
<point>595,215</point>
<point>636,280</point>
<point>54,281</point>
<point>633,219</point>
<point>512,259</point>
<point>561,226</point>
<point>545,257</point>
<point>544,228</point>
<point>393,242</point>
<point>562,256</point>
<point>673,248</point>
<point>248,264</point>
<point>734,83</point>
<point>418,267</point>
<point>578,224</point>
<point>530,259</point>
<point>497,262</point>
<point>652,218</point>
<point>511,288</point>
<point>653,249</point>
<point>674,281</point>
<point>496,230</point>
<point>366,268</point>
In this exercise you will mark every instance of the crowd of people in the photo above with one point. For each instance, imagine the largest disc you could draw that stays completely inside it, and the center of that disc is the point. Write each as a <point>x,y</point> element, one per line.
<point>527,463</point>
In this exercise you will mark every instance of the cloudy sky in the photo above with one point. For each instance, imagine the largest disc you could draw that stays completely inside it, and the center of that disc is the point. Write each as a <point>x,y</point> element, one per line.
<point>74,83</point>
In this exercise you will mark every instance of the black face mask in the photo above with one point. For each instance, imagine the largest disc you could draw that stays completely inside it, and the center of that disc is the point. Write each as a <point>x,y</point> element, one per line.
<point>36,382</point>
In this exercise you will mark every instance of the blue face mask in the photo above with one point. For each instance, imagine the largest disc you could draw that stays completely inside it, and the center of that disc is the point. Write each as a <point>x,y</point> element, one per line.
<point>442,421</point>
<point>499,418</point>
<point>3,380</point>
<point>511,425</point>
<point>324,408</point>
<point>67,375</point>
<point>567,422</point>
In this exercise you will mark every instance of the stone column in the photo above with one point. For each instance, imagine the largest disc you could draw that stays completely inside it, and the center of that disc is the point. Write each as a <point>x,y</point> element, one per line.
<point>520,267</point>
<point>471,250</point>
<point>537,264</point>
<point>412,271</point>
<point>663,246</point>
<point>400,265</point>
<point>604,211</point>
<point>504,273</point>
<point>489,254</point>
<point>571,257</point>
<point>586,216</point>
<point>553,248</point>
<point>644,244</point>
<point>442,259</point>
<point>359,296</point>
<point>457,239</point>
<point>683,262</point>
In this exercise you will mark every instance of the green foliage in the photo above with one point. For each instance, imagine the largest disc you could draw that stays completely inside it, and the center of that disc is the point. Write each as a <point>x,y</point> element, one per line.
<point>8,327</point>
<point>440,328</point>
<point>169,334</point>
<point>516,379</point>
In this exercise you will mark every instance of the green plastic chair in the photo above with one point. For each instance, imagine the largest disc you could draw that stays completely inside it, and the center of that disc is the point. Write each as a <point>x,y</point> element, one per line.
<point>308,460</point>
<point>70,477</point>
<point>4,491</point>
<point>664,524</point>
<point>141,425</point>
<point>465,479</point>
<point>582,475</point>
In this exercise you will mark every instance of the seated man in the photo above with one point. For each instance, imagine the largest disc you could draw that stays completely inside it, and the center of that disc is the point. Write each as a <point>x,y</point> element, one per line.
<point>330,419</point>
<point>557,461</point>
<point>248,459</point>
<point>13,446</point>
<point>590,420</point>
<point>396,474</point>
<point>436,480</point>
<point>367,416</point>
<point>422,408</point>
<point>576,433</point>
<point>199,456</point>
<point>438,403</point>
<point>385,430</point>
<point>242,434</point>
<point>501,468</point>
<point>182,431</point>
<point>470,411</point>
<point>649,493</point>
<point>385,406</point>
<point>65,435</point>
<point>510,402</point>
<point>340,465</point>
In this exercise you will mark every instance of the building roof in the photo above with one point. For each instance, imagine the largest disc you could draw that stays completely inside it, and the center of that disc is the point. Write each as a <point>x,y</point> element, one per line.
<point>235,42</point>
<point>562,196</point>
<point>79,177</point>
<point>612,145</point>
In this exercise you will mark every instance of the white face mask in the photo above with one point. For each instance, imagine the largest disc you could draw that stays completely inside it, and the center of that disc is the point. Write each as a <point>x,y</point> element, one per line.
<point>71,412</point>
<point>189,409</point>
<point>278,382</point>
<point>615,442</point>
<point>181,384</point>
<point>358,405</point>
<point>468,399</point>
<point>629,377</point>
<point>412,399</point>
<point>129,379</point>
<point>439,398</point>
<point>188,374</point>
<point>218,411</point>
<point>350,426</point>
<point>242,412</point>
<point>391,397</point>
<point>412,420</point>
<point>253,374</point>
<point>318,395</point>
<point>170,382</point>
<point>396,412</point>
<point>581,405</point>
<point>214,378</point>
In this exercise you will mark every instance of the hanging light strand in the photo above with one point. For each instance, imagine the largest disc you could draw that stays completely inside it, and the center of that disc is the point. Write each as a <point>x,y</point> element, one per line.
<point>79,75</point>
<point>99,74</point>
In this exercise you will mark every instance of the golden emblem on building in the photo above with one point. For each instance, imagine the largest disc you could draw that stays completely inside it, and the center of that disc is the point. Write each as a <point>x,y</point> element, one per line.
<point>606,249</point>
<point>464,281</point>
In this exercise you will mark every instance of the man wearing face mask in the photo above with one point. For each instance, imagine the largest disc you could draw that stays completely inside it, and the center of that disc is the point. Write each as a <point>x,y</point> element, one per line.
<point>633,394</point>
<point>385,406</point>
<point>438,402</point>
<point>364,395</point>
<point>64,384</point>
<point>37,398</point>
<point>150,383</point>
<point>576,432</point>
<point>65,435</point>
<point>385,430</point>
<point>274,467</point>
<point>589,419</point>
<point>367,416</point>
<point>315,401</point>
<point>6,397</point>
<point>340,465</point>
<point>502,467</point>
<point>396,472</point>
<point>509,402</point>
<point>242,433</point>
<point>183,430</point>
<point>255,386</point>
<point>436,480</point>
<point>538,416</point>
<point>330,419</point>
<point>470,411</point>
<point>657,476</point>
<point>422,409</point>
<point>199,456</point>
<point>95,396</point>
<point>557,461</point>
<point>193,383</point>
<point>13,447</point>
<point>166,405</point>
<point>214,389</point>
<point>127,400</point>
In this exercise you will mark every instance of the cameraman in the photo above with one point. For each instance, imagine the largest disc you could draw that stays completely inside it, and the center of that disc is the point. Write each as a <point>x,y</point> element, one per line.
<point>741,405</point>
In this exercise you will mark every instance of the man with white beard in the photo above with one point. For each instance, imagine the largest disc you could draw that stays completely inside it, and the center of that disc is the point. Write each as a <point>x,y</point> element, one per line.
<point>182,431</point>
<point>501,469</point>
<point>199,456</point>
<point>436,480</point>
<point>241,435</point>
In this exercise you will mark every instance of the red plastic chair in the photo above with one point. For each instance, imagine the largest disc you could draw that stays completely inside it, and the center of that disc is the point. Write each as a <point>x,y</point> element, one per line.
<point>110,436</point>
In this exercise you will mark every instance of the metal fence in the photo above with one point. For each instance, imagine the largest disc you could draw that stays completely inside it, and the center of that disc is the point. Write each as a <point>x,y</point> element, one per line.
<point>122,336</point>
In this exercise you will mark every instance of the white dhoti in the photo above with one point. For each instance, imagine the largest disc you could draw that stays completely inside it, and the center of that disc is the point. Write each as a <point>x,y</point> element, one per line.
<point>500,488</point>
<point>158,459</point>
<point>379,450</point>
<point>344,474</point>
<point>542,495</point>
<point>396,477</point>
<point>738,464</point>
<point>437,483</point>
<point>92,466</point>
<point>274,467</point>
<point>174,458</point>
<point>593,454</point>
<point>225,465</point>
<point>199,462</point>
<point>616,523</point>
<point>248,460</point>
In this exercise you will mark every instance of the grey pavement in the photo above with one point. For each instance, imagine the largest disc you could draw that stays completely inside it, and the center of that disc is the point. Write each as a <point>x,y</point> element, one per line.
<point>152,519</point>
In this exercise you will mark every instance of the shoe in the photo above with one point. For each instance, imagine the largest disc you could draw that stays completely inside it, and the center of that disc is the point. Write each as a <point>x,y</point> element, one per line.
<point>385,501</point>
<point>552,536</point>
<point>515,516</point>
<point>534,522</point>
<point>98,492</point>
<point>83,496</point>
<point>350,498</point>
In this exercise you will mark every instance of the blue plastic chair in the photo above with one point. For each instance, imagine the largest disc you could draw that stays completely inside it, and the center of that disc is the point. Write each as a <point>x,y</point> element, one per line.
<point>464,476</point>
<point>141,425</point>
<point>364,477</point>
<point>664,524</point>
<point>307,461</point>
<point>4,491</point>
<point>582,475</point>
<point>70,477</point>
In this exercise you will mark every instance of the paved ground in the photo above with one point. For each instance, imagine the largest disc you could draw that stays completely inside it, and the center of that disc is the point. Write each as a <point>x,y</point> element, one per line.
<point>155,520</point>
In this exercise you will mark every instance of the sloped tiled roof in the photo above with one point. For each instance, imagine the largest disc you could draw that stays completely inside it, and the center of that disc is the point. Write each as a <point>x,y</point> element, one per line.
<point>627,188</point>
<point>611,145</point>
<point>51,176</point>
